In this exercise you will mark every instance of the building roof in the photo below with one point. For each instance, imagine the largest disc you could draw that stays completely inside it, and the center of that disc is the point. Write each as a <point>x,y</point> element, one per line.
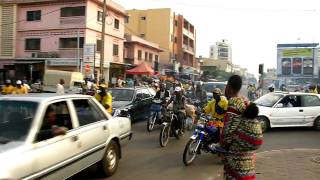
<point>297,45</point>
<point>142,42</point>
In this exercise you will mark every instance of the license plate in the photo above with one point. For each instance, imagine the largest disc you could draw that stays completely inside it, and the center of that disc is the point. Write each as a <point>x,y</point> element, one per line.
<point>194,137</point>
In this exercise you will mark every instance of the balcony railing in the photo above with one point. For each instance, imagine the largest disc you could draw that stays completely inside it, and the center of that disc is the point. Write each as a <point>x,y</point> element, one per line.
<point>70,53</point>
<point>73,20</point>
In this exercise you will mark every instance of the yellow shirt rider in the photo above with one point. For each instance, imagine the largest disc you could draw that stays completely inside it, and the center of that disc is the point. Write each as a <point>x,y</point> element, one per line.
<point>217,111</point>
<point>7,88</point>
<point>105,98</point>
<point>20,89</point>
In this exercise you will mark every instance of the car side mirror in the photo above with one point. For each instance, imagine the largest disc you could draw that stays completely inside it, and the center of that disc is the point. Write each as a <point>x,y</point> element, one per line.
<point>279,105</point>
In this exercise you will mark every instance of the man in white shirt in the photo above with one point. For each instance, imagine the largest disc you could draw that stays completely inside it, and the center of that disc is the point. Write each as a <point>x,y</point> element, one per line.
<point>60,88</point>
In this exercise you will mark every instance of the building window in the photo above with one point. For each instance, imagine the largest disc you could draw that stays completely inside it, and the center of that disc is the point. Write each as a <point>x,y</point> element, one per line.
<point>34,15</point>
<point>139,54</point>
<point>73,11</point>
<point>99,16</point>
<point>146,56</point>
<point>175,39</point>
<point>156,57</point>
<point>71,42</point>
<point>116,23</point>
<point>142,35</point>
<point>115,50</point>
<point>126,19</point>
<point>150,57</point>
<point>143,18</point>
<point>99,45</point>
<point>33,44</point>
<point>175,22</point>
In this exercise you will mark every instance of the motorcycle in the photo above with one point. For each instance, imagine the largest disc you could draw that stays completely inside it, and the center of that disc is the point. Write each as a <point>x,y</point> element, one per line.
<point>155,115</point>
<point>169,128</point>
<point>204,135</point>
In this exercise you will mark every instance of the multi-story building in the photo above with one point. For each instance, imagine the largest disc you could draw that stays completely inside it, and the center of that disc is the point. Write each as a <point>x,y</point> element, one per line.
<point>175,35</point>
<point>138,50</point>
<point>221,51</point>
<point>8,14</point>
<point>51,34</point>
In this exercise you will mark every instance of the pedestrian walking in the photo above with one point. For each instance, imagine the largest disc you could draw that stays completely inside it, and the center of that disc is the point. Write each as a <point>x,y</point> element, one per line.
<point>60,87</point>
<point>19,89</point>
<point>241,135</point>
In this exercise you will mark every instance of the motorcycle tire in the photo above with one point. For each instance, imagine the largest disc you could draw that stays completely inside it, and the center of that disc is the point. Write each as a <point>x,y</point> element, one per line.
<point>188,151</point>
<point>151,121</point>
<point>164,135</point>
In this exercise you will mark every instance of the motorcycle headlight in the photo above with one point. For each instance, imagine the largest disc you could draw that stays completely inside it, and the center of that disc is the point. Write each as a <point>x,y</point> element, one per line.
<point>117,112</point>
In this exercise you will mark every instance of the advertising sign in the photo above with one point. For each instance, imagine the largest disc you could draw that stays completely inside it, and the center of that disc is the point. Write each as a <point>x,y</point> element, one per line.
<point>88,52</point>
<point>297,65</point>
<point>307,66</point>
<point>297,52</point>
<point>286,66</point>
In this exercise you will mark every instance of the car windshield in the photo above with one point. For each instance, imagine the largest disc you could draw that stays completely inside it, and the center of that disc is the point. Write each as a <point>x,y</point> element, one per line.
<point>210,86</point>
<point>15,120</point>
<point>122,94</point>
<point>268,100</point>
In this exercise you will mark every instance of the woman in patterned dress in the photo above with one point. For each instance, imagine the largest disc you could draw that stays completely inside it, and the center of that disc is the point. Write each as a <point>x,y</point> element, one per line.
<point>241,135</point>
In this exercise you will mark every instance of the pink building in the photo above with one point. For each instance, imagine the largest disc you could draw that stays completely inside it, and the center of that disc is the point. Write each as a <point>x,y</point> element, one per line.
<point>49,31</point>
<point>138,50</point>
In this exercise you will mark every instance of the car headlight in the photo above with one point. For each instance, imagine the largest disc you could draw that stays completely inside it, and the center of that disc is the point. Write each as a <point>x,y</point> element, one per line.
<point>117,112</point>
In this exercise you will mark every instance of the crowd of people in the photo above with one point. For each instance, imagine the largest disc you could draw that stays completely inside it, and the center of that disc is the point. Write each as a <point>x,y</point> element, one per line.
<point>19,87</point>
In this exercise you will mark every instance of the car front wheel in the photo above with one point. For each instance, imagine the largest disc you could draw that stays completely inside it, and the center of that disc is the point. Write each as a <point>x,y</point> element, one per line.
<point>109,164</point>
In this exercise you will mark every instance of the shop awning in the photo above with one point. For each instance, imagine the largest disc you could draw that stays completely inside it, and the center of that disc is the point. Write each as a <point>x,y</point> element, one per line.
<point>141,69</point>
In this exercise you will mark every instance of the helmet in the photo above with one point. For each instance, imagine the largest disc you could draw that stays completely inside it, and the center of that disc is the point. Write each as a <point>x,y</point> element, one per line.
<point>8,81</point>
<point>177,89</point>
<point>103,85</point>
<point>19,82</point>
<point>217,91</point>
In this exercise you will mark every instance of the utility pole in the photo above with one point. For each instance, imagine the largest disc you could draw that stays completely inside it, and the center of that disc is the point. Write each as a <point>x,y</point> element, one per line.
<point>78,52</point>
<point>103,39</point>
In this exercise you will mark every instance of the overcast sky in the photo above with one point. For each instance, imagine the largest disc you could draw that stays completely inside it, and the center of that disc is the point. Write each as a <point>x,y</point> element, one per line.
<point>253,27</point>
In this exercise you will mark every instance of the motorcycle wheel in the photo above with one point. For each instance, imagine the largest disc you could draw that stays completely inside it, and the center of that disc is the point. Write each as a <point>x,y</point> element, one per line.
<point>164,135</point>
<point>151,121</point>
<point>190,152</point>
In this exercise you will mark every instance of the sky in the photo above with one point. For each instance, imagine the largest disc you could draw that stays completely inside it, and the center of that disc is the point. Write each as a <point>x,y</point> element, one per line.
<point>253,27</point>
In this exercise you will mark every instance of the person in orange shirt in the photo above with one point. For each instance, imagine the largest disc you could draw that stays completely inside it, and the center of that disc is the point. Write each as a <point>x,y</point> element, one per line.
<point>19,89</point>
<point>7,88</point>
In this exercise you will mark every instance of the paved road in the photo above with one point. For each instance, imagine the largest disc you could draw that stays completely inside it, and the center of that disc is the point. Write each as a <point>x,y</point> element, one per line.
<point>144,159</point>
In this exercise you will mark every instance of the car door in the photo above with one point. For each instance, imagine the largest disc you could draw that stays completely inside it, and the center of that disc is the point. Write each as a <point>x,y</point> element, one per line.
<point>311,108</point>
<point>92,129</point>
<point>290,114</point>
<point>55,155</point>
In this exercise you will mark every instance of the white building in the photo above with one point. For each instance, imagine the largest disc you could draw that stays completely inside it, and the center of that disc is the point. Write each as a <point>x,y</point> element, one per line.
<point>221,51</point>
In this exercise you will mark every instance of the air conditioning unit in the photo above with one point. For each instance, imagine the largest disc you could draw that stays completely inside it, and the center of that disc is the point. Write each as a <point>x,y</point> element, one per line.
<point>34,55</point>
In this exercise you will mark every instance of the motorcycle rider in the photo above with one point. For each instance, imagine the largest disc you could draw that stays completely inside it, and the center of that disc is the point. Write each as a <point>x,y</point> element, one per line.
<point>217,108</point>
<point>104,97</point>
<point>179,107</point>
<point>162,93</point>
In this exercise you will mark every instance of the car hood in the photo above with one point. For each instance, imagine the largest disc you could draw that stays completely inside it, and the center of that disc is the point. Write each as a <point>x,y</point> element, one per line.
<point>10,146</point>
<point>120,104</point>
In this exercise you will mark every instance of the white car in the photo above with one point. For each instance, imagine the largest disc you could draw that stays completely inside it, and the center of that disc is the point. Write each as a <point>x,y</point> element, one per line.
<point>296,109</point>
<point>46,136</point>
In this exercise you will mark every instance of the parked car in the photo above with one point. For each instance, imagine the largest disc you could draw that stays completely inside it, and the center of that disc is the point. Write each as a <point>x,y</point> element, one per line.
<point>30,147</point>
<point>133,103</point>
<point>284,109</point>
<point>209,86</point>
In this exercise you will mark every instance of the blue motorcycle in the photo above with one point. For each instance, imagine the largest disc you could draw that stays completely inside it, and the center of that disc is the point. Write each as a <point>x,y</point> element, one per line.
<point>202,137</point>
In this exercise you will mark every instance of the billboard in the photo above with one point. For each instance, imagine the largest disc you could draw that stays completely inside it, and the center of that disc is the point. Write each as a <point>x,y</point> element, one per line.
<point>297,62</point>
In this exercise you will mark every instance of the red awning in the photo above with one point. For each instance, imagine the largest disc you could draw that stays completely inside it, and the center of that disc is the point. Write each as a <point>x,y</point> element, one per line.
<point>141,69</point>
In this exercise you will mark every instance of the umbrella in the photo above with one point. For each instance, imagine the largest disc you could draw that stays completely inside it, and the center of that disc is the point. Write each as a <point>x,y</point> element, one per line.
<point>141,69</point>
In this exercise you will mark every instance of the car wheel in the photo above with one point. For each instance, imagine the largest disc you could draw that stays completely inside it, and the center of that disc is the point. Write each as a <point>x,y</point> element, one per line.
<point>317,124</point>
<point>265,124</point>
<point>109,164</point>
